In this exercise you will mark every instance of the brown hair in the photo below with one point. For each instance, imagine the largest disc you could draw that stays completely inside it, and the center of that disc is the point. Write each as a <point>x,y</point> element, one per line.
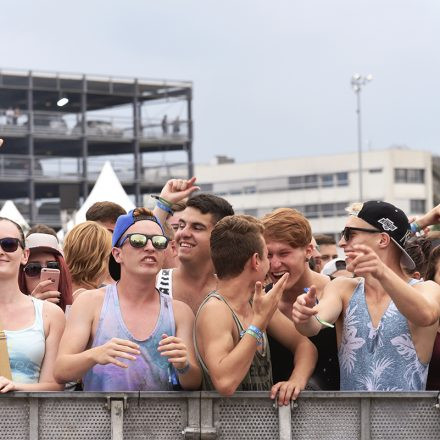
<point>324,239</point>
<point>210,204</point>
<point>434,258</point>
<point>20,230</point>
<point>288,226</point>
<point>234,240</point>
<point>179,206</point>
<point>418,248</point>
<point>86,249</point>
<point>105,212</point>
<point>42,229</point>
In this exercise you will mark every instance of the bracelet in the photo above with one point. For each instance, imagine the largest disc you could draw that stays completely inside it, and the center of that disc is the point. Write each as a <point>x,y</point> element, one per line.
<point>256,330</point>
<point>415,227</point>
<point>161,199</point>
<point>164,207</point>
<point>252,333</point>
<point>185,369</point>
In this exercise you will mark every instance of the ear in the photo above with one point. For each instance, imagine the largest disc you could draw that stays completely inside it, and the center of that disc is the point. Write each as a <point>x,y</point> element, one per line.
<point>384,240</point>
<point>416,275</point>
<point>116,252</point>
<point>25,256</point>
<point>254,261</point>
<point>309,251</point>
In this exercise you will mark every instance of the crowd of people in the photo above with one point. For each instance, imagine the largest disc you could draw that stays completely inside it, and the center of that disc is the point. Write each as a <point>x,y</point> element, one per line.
<point>191,296</point>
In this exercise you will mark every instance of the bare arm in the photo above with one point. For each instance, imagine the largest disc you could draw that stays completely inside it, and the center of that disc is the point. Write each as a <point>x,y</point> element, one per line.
<point>305,357</point>
<point>180,349</point>
<point>73,360</point>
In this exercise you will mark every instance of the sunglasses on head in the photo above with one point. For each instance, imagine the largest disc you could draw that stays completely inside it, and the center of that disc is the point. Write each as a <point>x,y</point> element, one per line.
<point>10,244</point>
<point>346,232</point>
<point>34,269</point>
<point>140,240</point>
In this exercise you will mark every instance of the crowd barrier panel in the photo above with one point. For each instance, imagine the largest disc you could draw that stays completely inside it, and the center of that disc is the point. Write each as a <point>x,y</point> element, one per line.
<point>209,416</point>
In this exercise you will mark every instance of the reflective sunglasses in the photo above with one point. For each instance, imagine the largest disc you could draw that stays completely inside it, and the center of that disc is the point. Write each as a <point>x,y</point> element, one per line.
<point>346,232</point>
<point>140,240</point>
<point>34,269</point>
<point>10,244</point>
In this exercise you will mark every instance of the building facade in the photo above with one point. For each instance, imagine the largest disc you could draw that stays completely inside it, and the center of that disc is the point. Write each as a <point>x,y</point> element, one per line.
<point>322,187</point>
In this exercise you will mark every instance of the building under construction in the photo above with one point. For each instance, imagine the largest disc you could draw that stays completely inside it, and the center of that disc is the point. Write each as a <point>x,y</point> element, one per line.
<point>60,128</point>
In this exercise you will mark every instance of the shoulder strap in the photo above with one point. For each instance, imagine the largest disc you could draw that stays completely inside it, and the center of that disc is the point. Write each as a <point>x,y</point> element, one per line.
<point>5,368</point>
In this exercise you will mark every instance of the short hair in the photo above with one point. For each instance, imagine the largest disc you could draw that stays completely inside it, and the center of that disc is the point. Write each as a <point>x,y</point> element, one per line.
<point>19,228</point>
<point>104,212</point>
<point>178,206</point>
<point>288,226</point>
<point>324,239</point>
<point>210,204</point>
<point>234,240</point>
<point>418,248</point>
<point>42,229</point>
<point>168,231</point>
<point>87,248</point>
<point>434,258</point>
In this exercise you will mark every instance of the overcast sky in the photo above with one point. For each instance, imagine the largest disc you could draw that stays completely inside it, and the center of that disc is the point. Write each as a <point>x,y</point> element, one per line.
<point>271,78</point>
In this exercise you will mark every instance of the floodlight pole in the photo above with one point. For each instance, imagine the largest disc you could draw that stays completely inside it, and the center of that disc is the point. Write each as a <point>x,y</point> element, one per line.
<point>357,81</point>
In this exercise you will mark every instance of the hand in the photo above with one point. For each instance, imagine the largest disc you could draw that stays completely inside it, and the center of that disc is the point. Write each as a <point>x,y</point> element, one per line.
<point>265,304</point>
<point>41,292</point>
<point>176,190</point>
<point>430,218</point>
<point>304,306</point>
<point>286,391</point>
<point>1,142</point>
<point>365,262</point>
<point>115,348</point>
<point>175,350</point>
<point>6,385</point>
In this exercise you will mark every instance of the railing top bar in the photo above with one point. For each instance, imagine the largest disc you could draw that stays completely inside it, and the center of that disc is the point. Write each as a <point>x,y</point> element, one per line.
<point>238,395</point>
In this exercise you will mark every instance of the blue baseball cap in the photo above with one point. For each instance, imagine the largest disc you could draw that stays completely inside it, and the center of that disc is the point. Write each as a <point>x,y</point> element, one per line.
<point>122,224</point>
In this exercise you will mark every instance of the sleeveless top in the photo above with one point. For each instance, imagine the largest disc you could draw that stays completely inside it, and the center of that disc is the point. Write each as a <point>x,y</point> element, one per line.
<point>164,282</point>
<point>382,358</point>
<point>26,348</point>
<point>150,371</point>
<point>259,376</point>
<point>433,382</point>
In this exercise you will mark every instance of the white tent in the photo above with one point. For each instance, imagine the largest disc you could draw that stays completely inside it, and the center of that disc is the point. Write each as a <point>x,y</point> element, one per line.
<point>11,212</point>
<point>107,188</point>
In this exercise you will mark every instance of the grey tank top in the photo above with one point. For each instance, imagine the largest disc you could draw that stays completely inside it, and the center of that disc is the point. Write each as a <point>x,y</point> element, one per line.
<point>382,358</point>
<point>259,376</point>
<point>150,371</point>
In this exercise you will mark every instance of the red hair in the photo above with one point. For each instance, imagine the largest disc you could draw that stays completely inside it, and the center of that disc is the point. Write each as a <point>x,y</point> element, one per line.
<point>65,285</point>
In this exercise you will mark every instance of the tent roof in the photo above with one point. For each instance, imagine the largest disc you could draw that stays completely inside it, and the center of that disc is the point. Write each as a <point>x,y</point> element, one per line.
<point>11,212</point>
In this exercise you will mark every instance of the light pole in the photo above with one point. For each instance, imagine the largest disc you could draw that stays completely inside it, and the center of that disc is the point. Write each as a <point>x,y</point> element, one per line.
<point>357,81</point>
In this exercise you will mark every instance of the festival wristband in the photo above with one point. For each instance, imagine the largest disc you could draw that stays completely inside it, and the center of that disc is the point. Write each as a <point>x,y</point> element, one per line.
<point>415,227</point>
<point>185,369</point>
<point>255,329</point>
<point>321,321</point>
<point>164,207</point>
<point>161,199</point>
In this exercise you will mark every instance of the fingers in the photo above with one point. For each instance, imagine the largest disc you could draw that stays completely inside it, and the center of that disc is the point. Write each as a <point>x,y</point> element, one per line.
<point>126,343</point>
<point>6,385</point>
<point>50,295</point>
<point>286,391</point>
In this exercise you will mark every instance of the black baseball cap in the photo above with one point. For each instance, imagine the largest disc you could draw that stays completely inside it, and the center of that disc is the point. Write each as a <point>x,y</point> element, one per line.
<point>393,221</point>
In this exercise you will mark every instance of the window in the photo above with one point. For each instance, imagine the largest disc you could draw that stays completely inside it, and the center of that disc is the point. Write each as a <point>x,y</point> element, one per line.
<point>296,182</point>
<point>417,206</point>
<point>342,179</point>
<point>327,180</point>
<point>311,181</point>
<point>409,175</point>
<point>375,170</point>
<point>206,187</point>
<point>311,211</point>
<point>252,212</point>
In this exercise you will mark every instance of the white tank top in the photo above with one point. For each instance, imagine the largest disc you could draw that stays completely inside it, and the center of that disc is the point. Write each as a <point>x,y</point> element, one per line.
<point>26,348</point>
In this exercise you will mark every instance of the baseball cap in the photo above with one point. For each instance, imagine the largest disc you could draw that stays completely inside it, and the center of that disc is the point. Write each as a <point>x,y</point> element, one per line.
<point>333,266</point>
<point>43,242</point>
<point>122,224</point>
<point>389,219</point>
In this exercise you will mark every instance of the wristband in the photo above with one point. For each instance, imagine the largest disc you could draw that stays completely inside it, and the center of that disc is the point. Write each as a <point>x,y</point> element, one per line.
<point>185,369</point>
<point>161,199</point>
<point>164,207</point>
<point>255,335</point>
<point>415,227</point>
<point>256,330</point>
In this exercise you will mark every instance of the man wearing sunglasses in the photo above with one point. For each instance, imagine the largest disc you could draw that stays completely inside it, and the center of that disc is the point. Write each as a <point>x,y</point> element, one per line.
<point>386,322</point>
<point>128,336</point>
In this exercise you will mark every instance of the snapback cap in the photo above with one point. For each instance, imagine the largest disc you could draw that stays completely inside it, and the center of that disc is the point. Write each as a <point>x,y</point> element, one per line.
<point>122,224</point>
<point>43,242</point>
<point>333,266</point>
<point>393,221</point>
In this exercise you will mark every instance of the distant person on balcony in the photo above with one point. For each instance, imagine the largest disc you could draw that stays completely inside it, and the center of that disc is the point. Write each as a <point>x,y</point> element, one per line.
<point>176,126</point>
<point>44,251</point>
<point>128,336</point>
<point>16,115</point>
<point>32,327</point>
<point>87,248</point>
<point>164,125</point>
<point>386,322</point>
<point>9,116</point>
<point>232,321</point>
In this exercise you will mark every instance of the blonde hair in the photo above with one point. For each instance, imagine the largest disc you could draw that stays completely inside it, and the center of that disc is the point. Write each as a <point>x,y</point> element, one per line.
<point>87,248</point>
<point>355,208</point>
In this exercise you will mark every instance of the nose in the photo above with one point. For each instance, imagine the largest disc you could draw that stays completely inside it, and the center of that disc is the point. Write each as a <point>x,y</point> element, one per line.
<point>275,263</point>
<point>342,242</point>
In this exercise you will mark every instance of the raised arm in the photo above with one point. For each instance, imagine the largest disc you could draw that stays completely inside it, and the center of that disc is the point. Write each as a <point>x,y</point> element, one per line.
<point>73,359</point>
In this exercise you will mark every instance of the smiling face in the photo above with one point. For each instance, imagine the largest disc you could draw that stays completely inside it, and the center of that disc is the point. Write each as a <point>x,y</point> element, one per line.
<point>284,258</point>
<point>10,261</point>
<point>193,235</point>
<point>144,262</point>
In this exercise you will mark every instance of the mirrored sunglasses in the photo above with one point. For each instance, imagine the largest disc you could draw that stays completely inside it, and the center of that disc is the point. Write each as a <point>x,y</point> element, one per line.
<point>140,240</point>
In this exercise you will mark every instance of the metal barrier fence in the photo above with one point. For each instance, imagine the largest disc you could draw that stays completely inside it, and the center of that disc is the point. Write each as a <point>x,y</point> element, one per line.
<point>208,416</point>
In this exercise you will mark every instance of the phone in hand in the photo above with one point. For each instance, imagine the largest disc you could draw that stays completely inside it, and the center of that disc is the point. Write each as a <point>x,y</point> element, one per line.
<point>50,274</point>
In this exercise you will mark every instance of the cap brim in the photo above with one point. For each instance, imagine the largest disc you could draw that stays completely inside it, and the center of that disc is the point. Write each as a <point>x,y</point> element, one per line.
<point>114,268</point>
<point>405,260</point>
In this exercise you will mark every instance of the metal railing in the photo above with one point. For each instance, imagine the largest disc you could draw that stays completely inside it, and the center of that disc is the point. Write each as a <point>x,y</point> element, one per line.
<point>208,416</point>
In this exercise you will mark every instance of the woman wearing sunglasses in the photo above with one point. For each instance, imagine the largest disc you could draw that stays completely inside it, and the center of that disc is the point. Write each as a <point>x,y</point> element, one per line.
<point>32,327</point>
<point>45,252</point>
<point>87,249</point>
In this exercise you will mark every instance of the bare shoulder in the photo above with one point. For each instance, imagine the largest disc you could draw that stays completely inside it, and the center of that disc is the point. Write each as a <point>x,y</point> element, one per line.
<point>181,309</point>
<point>342,285</point>
<point>428,287</point>
<point>52,312</point>
<point>320,281</point>
<point>89,301</point>
<point>216,311</point>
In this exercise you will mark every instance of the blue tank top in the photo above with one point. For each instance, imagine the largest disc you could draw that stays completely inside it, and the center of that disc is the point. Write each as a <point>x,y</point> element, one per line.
<point>382,358</point>
<point>26,348</point>
<point>150,371</point>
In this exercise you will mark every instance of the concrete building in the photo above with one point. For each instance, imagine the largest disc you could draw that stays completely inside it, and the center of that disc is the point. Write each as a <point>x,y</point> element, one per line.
<point>322,187</point>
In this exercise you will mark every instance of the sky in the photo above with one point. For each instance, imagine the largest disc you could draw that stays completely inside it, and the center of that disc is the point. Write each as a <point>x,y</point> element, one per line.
<point>271,78</point>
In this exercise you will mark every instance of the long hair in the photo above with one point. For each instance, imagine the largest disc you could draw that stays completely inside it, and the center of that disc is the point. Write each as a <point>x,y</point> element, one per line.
<point>65,285</point>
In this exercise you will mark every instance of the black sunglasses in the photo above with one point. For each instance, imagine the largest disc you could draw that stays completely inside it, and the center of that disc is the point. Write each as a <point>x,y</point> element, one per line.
<point>34,269</point>
<point>140,240</point>
<point>346,232</point>
<point>10,244</point>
